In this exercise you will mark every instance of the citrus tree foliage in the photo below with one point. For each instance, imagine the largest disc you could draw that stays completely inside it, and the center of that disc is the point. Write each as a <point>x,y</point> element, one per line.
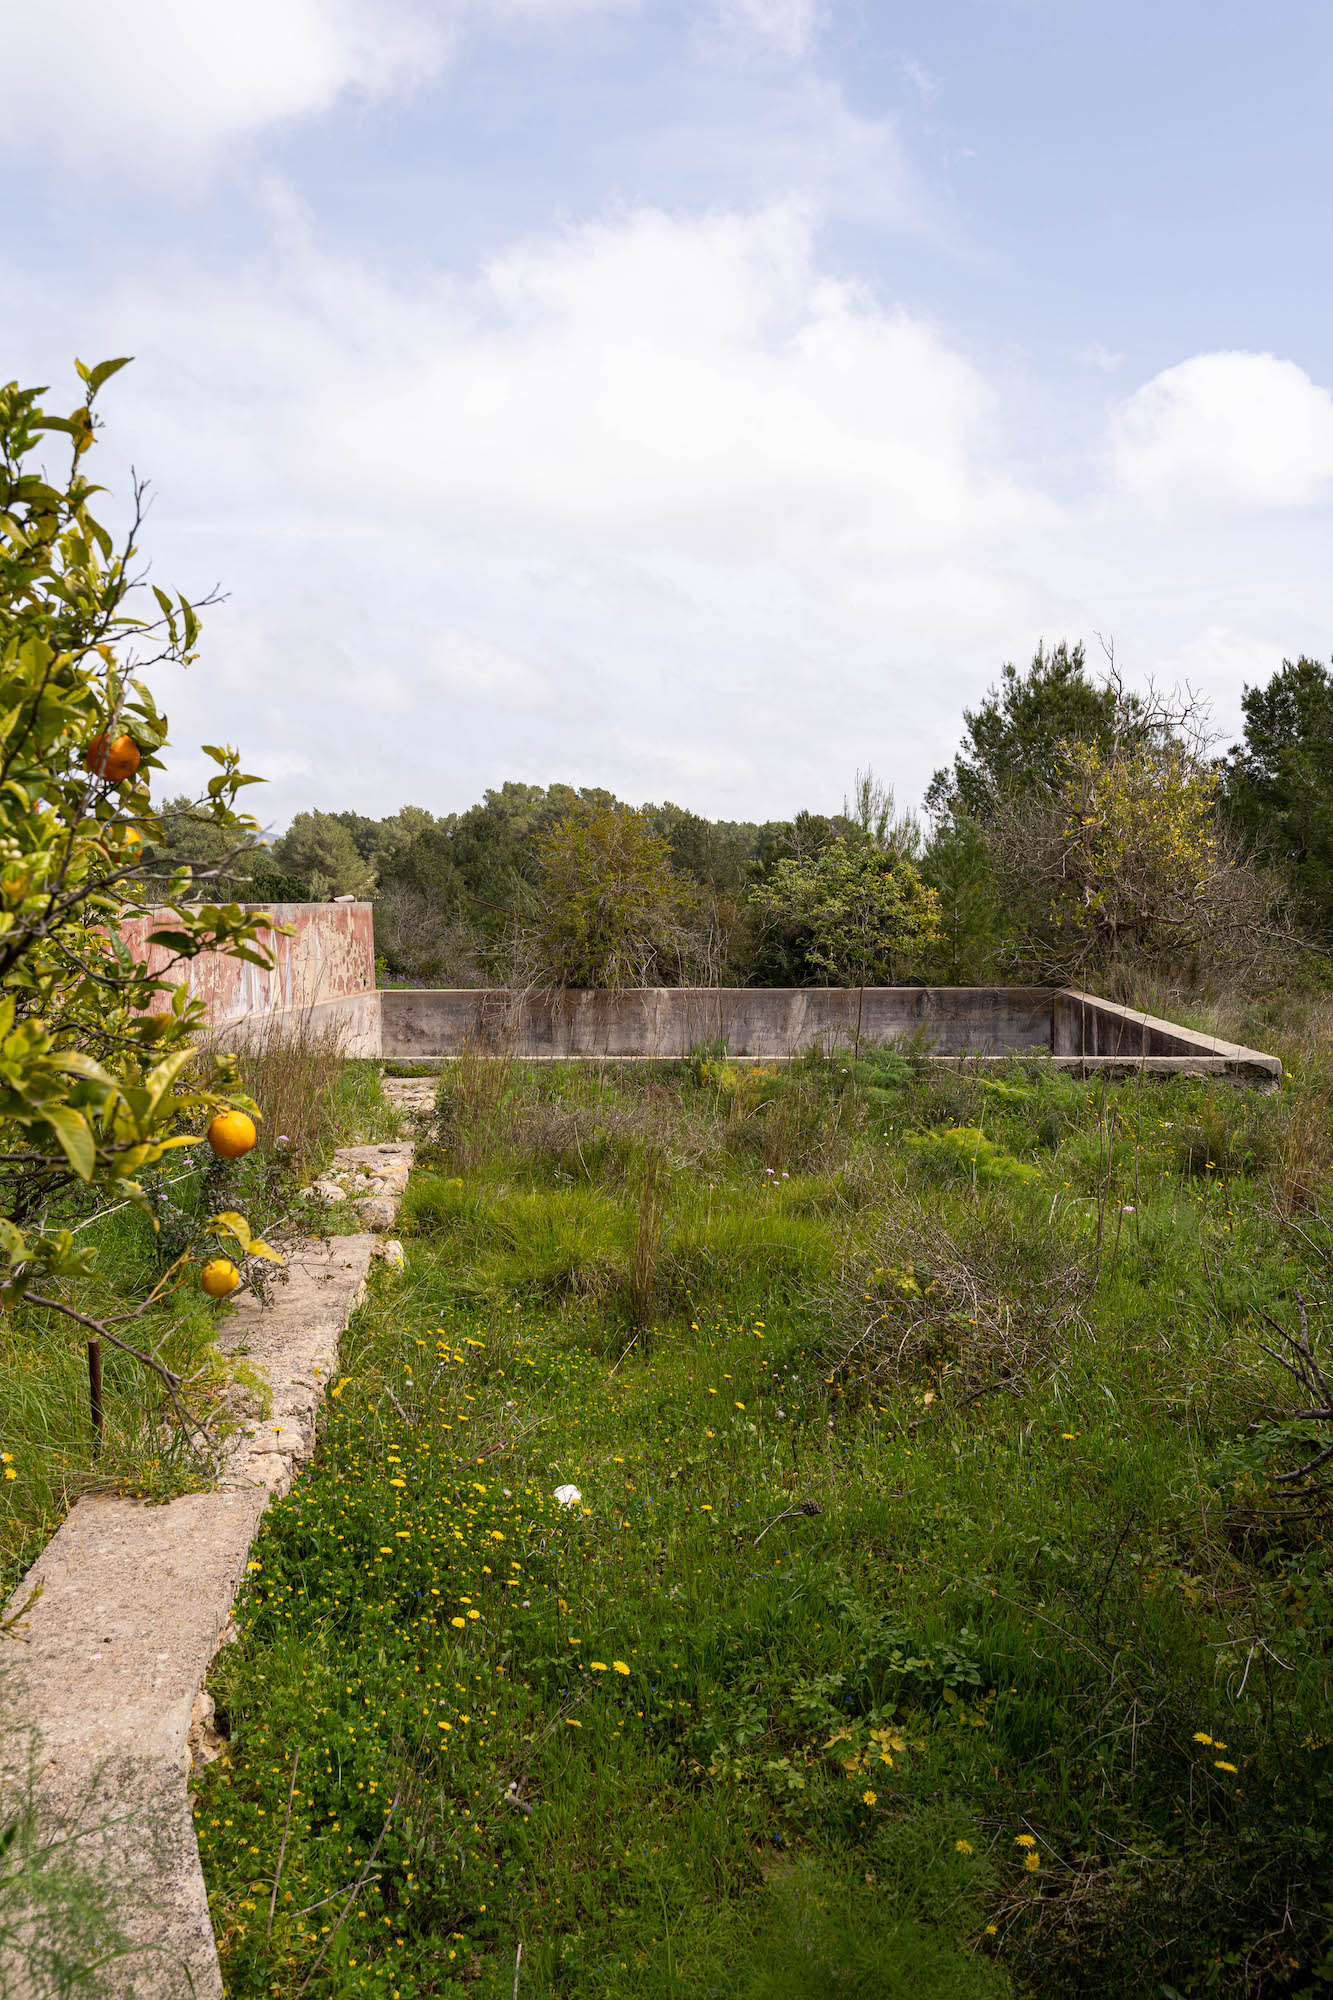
<point>848,914</point>
<point>92,1086</point>
<point>610,910</point>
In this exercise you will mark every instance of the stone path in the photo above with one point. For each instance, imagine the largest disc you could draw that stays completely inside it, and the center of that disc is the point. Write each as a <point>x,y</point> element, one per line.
<point>414,1096</point>
<point>103,1671</point>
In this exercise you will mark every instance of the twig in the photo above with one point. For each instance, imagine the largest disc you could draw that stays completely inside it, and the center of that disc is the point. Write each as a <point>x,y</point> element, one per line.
<point>518,1960</point>
<point>282,1850</point>
<point>398,1406</point>
<point>333,1896</point>
<point>357,1887</point>
<point>170,1381</point>
<point>805,1507</point>
<point>633,1343</point>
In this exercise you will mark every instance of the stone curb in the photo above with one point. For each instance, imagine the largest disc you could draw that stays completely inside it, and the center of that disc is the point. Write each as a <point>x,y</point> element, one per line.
<point>104,1670</point>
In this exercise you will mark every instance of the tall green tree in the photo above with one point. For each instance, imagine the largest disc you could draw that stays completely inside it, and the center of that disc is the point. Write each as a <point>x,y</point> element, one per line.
<point>318,849</point>
<point>610,910</point>
<point>1010,742</point>
<point>957,865</point>
<point>1278,783</point>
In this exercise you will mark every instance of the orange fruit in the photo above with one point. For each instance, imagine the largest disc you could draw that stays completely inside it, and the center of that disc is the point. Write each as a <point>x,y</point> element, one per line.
<point>220,1277</point>
<point>112,758</point>
<point>231,1134</point>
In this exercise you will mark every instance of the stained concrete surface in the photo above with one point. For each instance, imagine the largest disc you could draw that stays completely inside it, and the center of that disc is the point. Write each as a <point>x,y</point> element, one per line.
<point>102,1671</point>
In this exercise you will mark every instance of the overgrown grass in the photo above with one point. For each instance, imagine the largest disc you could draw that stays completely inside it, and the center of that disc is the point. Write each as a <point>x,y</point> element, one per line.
<point>970,1649</point>
<point>45,1423</point>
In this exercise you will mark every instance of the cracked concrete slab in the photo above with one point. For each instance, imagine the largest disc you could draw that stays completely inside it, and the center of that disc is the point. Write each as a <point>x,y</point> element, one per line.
<point>103,1669</point>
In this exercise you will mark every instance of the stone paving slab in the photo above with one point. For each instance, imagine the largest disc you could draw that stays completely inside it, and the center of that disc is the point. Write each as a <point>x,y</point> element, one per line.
<point>103,1672</point>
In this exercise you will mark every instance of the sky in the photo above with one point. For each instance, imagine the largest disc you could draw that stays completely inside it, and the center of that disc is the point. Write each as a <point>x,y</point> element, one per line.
<point>697,398</point>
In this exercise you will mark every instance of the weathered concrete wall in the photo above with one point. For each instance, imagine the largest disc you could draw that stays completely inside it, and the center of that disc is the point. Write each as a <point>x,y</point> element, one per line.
<point>324,972</point>
<point>1084,1026</point>
<point>668,1022</point>
<point>948,1023</point>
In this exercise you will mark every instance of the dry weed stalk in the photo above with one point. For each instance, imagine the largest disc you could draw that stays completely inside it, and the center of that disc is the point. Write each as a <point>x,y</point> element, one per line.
<point>1297,1357</point>
<point>981,1308</point>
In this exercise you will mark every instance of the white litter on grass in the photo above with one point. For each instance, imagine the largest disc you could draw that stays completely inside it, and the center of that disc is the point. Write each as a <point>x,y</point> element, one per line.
<point>568,1496</point>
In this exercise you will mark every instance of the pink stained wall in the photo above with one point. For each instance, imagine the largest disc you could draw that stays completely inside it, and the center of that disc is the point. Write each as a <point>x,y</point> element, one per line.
<point>325,969</point>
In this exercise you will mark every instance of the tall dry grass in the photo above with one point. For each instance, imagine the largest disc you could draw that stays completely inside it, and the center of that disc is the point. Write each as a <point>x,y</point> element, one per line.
<point>293,1071</point>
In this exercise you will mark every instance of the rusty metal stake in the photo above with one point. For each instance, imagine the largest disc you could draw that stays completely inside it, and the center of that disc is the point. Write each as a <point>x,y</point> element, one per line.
<point>95,1388</point>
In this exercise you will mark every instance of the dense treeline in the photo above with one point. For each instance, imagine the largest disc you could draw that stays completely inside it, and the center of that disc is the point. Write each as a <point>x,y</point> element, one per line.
<point>1082,830</point>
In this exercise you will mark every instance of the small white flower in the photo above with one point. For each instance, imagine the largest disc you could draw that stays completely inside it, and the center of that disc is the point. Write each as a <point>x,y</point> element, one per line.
<point>568,1496</point>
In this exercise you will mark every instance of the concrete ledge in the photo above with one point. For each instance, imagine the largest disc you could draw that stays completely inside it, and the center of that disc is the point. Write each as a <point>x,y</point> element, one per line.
<point>1085,1027</point>
<point>767,1023</point>
<point>103,1671</point>
<point>773,1024</point>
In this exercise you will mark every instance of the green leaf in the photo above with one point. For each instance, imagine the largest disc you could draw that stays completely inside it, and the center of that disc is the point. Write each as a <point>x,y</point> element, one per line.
<point>74,1138</point>
<point>104,371</point>
<point>168,609</point>
<point>159,1081</point>
<point>12,1240</point>
<point>75,1063</point>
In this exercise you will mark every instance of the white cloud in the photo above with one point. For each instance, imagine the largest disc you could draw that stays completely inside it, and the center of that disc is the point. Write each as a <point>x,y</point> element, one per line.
<point>1225,433</point>
<point>697,505</point>
<point>180,84</point>
<point>788,27</point>
<point>921,79</point>
<point>472,671</point>
<point>1094,355</point>
<point>659,502</point>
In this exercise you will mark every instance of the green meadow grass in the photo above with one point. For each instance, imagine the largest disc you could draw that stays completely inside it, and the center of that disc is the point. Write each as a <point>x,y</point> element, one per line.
<point>927,1624</point>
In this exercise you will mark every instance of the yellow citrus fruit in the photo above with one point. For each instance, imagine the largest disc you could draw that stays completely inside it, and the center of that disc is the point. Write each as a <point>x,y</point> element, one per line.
<point>220,1277</point>
<point>112,757</point>
<point>231,1134</point>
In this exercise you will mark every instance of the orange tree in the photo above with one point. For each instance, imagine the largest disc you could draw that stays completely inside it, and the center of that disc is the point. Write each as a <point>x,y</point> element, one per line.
<point>93,1086</point>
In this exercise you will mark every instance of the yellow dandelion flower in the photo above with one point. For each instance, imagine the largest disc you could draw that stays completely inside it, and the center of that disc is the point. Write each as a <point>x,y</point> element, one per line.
<point>1222,1766</point>
<point>620,1666</point>
<point>1201,1737</point>
<point>459,1622</point>
<point>962,1847</point>
<point>868,1798</point>
<point>1032,1860</point>
<point>1024,1840</point>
